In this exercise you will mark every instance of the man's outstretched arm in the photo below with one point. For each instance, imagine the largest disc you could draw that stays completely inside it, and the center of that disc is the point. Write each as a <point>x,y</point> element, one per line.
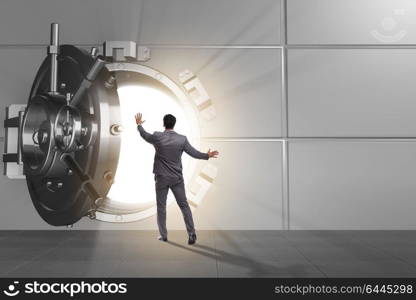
<point>197,154</point>
<point>148,137</point>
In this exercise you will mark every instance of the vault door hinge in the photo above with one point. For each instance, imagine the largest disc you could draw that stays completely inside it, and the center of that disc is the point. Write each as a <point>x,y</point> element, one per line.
<point>12,157</point>
<point>126,50</point>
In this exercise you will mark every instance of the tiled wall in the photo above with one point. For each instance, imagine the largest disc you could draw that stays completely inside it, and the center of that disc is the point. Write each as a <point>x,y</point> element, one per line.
<point>351,107</point>
<point>233,47</point>
<point>314,99</point>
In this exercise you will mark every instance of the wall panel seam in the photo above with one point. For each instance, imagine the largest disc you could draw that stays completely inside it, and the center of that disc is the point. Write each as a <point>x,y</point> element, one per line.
<point>308,139</point>
<point>351,46</point>
<point>156,46</point>
<point>285,121</point>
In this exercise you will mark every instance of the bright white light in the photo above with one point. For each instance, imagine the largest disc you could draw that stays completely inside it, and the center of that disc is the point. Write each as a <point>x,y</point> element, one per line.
<point>134,180</point>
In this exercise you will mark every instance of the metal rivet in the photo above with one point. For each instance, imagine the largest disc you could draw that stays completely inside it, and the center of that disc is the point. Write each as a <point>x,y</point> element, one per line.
<point>108,175</point>
<point>116,129</point>
<point>159,76</point>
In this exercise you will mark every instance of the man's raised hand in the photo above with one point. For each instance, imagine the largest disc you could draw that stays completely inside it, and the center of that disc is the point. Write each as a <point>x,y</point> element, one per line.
<point>212,154</point>
<point>139,120</point>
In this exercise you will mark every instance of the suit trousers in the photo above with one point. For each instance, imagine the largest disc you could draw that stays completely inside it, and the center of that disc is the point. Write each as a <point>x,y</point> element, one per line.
<point>176,185</point>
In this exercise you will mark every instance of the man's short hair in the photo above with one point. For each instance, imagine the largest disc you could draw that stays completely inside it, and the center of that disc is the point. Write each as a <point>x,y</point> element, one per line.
<point>169,121</point>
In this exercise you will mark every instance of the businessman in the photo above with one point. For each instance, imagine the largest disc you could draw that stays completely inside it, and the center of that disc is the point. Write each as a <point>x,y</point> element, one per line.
<point>167,168</point>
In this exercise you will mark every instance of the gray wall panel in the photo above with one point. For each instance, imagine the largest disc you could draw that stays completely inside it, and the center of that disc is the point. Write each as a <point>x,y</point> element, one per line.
<point>242,83</point>
<point>27,22</point>
<point>351,22</point>
<point>154,21</point>
<point>352,185</point>
<point>352,92</point>
<point>247,193</point>
<point>226,22</point>
<point>18,68</point>
<point>333,91</point>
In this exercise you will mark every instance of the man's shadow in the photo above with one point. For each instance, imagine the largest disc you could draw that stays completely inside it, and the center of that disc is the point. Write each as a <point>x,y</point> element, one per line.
<point>256,268</point>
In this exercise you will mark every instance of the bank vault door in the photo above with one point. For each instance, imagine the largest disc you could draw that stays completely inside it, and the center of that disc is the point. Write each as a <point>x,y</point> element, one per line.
<point>66,140</point>
<point>67,135</point>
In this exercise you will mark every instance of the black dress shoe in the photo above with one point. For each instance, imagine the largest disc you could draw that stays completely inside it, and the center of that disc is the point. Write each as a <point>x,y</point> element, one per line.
<point>163,239</point>
<point>192,239</point>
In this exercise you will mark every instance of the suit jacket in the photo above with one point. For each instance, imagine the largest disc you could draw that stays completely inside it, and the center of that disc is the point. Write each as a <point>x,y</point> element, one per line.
<point>169,147</point>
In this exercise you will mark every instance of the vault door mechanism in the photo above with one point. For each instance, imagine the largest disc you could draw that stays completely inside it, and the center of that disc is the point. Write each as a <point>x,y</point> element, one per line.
<point>61,140</point>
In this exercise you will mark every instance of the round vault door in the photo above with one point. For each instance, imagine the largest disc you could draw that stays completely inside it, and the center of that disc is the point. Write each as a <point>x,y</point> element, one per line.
<point>69,153</point>
<point>82,153</point>
<point>78,142</point>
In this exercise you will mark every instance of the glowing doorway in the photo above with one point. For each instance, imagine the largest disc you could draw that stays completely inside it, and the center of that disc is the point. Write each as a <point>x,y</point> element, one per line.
<point>134,182</point>
<point>146,90</point>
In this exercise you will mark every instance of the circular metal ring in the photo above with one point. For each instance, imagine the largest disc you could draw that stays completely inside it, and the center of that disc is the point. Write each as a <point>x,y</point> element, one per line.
<point>116,211</point>
<point>37,135</point>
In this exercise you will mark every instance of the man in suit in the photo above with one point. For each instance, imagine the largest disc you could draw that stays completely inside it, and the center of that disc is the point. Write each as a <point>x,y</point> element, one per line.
<point>167,168</point>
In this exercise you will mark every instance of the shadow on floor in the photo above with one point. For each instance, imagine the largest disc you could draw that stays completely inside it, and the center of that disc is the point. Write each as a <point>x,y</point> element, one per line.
<point>255,268</point>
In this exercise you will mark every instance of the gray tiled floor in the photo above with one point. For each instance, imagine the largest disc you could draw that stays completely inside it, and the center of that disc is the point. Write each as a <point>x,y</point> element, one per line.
<point>217,254</point>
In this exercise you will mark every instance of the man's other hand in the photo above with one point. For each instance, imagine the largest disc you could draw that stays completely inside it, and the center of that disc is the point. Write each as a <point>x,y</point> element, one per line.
<point>212,154</point>
<point>139,120</point>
